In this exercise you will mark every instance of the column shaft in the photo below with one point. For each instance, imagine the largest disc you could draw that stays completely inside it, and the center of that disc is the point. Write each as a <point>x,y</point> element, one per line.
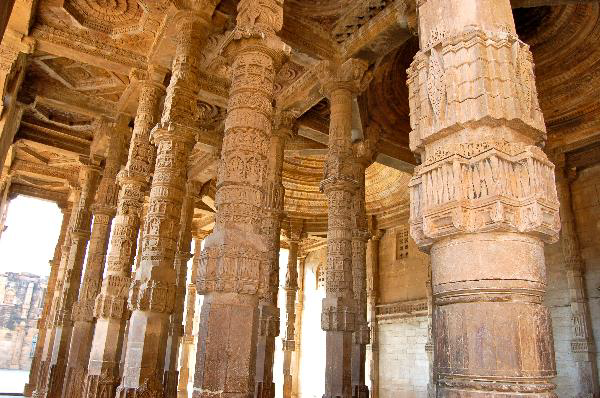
<point>152,293</point>
<point>188,337</point>
<point>80,234</point>
<point>291,289</point>
<point>360,235</point>
<point>372,298</point>
<point>110,308</point>
<point>582,342</point>
<point>83,310</point>
<point>298,327</point>
<point>176,322</point>
<point>483,200</point>
<point>48,344</point>
<point>234,271</point>
<point>338,317</point>
<point>45,318</point>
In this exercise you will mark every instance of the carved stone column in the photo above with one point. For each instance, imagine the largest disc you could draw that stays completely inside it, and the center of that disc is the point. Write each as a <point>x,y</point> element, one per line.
<point>372,298</point>
<point>234,269</point>
<point>110,307</point>
<point>483,200</point>
<point>152,293</point>
<point>295,370</point>
<point>187,343</point>
<point>432,383</point>
<point>360,236</point>
<point>5,184</point>
<point>182,257</point>
<point>104,210</point>
<point>80,234</point>
<point>291,289</point>
<point>338,318</point>
<point>45,319</point>
<point>582,343</point>
<point>268,328</point>
<point>41,388</point>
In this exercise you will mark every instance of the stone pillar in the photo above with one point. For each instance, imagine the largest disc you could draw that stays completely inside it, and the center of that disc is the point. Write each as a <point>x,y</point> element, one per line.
<point>234,269</point>
<point>4,201</point>
<point>41,387</point>
<point>152,293</point>
<point>274,194</point>
<point>291,289</point>
<point>338,318</point>
<point>360,236</point>
<point>110,308</point>
<point>372,299</point>
<point>431,383</point>
<point>103,210</point>
<point>182,257</point>
<point>582,343</point>
<point>295,370</point>
<point>187,343</point>
<point>44,321</point>
<point>80,234</point>
<point>483,200</point>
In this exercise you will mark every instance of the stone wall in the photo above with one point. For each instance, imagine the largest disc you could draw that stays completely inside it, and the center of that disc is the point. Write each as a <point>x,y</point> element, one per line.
<point>402,315</point>
<point>403,369</point>
<point>21,300</point>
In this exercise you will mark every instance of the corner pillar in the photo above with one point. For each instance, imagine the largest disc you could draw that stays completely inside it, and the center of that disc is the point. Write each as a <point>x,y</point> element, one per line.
<point>152,292</point>
<point>295,369</point>
<point>43,324</point>
<point>483,200</point>
<point>103,210</point>
<point>339,317</point>
<point>291,289</point>
<point>182,256</point>
<point>372,299</point>
<point>582,341</point>
<point>187,342</point>
<point>80,234</point>
<point>283,128</point>
<point>235,270</point>
<point>110,308</point>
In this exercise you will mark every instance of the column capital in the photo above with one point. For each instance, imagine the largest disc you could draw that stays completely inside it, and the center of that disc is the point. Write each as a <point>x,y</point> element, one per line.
<point>258,19</point>
<point>285,123</point>
<point>352,75</point>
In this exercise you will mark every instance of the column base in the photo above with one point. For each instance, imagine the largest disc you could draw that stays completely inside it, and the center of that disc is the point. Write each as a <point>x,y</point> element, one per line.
<point>28,390</point>
<point>101,386</point>
<point>264,391</point>
<point>151,388</point>
<point>56,380</point>
<point>494,389</point>
<point>360,391</point>
<point>74,382</point>
<point>170,381</point>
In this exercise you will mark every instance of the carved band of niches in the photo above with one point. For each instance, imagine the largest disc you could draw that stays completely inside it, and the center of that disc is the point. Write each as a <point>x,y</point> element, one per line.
<point>444,96</point>
<point>484,186</point>
<point>268,325</point>
<point>231,269</point>
<point>521,385</point>
<point>362,335</point>
<point>340,318</point>
<point>152,296</point>
<point>521,296</point>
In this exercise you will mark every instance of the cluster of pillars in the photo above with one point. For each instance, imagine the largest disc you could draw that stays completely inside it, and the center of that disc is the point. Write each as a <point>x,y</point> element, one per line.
<point>483,202</point>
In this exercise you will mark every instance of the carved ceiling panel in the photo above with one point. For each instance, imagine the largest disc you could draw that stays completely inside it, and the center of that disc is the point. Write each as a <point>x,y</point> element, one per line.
<point>112,17</point>
<point>83,77</point>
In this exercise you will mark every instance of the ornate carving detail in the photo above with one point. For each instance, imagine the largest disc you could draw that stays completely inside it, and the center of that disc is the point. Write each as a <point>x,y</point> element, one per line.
<point>438,81</point>
<point>152,296</point>
<point>258,18</point>
<point>484,186</point>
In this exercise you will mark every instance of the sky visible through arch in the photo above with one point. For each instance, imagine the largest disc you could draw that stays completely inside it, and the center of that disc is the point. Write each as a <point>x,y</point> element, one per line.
<point>28,243</point>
